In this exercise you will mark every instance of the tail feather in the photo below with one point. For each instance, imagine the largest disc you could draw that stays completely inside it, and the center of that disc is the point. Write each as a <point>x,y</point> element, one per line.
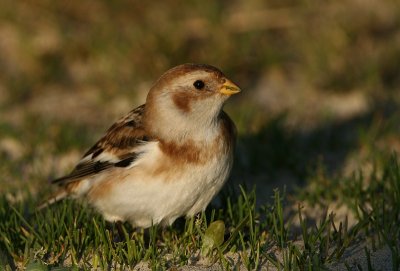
<point>59,195</point>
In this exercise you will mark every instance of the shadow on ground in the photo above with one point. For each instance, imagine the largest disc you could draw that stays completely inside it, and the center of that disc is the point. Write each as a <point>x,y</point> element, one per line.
<point>278,157</point>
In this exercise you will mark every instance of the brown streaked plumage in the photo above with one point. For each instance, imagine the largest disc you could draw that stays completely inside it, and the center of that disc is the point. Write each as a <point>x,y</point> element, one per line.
<point>164,159</point>
<point>119,139</point>
<point>123,134</point>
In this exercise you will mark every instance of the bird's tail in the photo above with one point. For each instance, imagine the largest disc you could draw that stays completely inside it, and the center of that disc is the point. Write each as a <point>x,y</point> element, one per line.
<point>59,195</point>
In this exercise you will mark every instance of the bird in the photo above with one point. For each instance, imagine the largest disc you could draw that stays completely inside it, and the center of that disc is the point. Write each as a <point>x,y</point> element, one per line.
<point>165,159</point>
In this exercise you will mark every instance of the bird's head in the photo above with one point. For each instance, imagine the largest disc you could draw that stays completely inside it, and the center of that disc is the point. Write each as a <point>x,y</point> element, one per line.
<point>188,98</point>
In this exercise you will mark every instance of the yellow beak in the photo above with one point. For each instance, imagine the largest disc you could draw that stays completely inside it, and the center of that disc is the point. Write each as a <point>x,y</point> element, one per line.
<point>229,88</point>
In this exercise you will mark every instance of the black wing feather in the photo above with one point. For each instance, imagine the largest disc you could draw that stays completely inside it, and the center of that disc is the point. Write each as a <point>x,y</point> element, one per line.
<point>120,139</point>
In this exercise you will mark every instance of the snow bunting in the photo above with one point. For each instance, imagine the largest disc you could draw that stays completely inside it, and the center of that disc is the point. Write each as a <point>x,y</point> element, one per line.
<point>165,159</point>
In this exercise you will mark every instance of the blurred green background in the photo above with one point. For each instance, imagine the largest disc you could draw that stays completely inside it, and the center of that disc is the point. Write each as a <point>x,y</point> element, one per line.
<point>320,79</point>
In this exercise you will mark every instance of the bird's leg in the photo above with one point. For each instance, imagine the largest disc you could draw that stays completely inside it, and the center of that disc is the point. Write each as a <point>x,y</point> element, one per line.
<point>119,234</point>
<point>120,230</point>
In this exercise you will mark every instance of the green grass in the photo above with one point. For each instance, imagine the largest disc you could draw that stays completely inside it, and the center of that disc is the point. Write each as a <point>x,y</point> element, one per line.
<point>68,234</point>
<point>303,160</point>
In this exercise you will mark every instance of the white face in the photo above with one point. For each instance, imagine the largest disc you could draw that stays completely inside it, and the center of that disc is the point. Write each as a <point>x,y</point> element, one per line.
<point>189,103</point>
<point>186,102</point>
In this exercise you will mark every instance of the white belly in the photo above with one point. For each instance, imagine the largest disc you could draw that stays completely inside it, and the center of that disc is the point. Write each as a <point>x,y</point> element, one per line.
<point>144,198</point>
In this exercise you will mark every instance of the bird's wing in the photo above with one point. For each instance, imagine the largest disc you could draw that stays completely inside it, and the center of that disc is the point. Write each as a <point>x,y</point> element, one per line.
<point>115,149</point>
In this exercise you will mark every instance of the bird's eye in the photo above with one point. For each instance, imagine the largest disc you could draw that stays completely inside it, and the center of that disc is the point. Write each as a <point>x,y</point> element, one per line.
<point>198,84</point>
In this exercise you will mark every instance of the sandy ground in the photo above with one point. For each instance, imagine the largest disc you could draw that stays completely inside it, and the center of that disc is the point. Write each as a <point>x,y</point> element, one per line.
<point>355,258</point>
